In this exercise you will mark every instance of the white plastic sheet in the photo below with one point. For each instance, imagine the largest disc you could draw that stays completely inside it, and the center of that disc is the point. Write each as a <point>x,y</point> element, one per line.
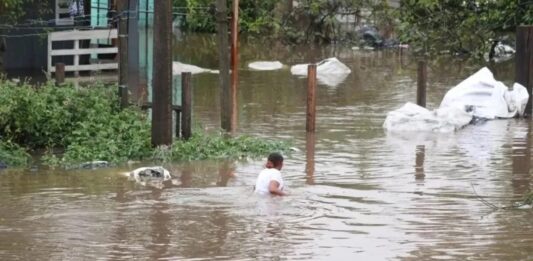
<point>265,65</point>
<point>480,95</point>
<point>178,68</point>
<point>329,71</point>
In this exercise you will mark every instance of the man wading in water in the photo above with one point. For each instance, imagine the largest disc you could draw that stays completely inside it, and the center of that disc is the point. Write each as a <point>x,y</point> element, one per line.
<point>269,180</point>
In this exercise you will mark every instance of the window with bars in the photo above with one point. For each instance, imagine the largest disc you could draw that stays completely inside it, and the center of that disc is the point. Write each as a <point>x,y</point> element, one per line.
<point>99,13</point>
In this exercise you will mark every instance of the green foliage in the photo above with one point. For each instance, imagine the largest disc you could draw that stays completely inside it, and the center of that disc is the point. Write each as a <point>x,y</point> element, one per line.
<point>309,20</point>
<point>203,146</point>
<point>13,155</point>
<point>198,16</point>
<point>255,16</point>
<point>457,26</point>
<point>87,122</point>
<point>12,11</point>
<point>114,136</point>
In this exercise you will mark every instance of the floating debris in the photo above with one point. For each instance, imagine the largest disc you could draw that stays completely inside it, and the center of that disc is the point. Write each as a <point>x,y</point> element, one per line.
<point>97,164</point>
<point>150,176</point>
<point>265,65</point>
<point>178,68</point>
<point>329,71</point>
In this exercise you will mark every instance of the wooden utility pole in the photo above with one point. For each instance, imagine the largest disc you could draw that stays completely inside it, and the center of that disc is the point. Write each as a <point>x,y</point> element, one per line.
<point>421,83</point>
<point>223,59</point>
<point>123,53</point>
<point>162,74</point>
<point>524,62</point>
<point>234,64</point>
<point>311,98</point>
<point>186,105</point>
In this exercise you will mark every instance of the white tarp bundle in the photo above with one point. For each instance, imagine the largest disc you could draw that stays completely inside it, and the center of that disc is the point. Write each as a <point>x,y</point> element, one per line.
<point>329,71</point>
<point>265,65</point>
<point>178,68</point>
<point>480,95</point>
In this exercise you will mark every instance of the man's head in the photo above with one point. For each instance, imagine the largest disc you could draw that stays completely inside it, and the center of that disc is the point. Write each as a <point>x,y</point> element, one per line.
<point>275,160</point>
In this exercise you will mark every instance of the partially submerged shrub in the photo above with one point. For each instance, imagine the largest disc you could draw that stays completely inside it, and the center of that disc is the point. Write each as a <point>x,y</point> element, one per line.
<point>211,146</point>
<point>87,124</point>
<point>13,155</point>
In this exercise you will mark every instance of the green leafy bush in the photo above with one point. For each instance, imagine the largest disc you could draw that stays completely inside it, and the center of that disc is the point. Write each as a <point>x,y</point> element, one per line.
<point>86,122</point>
<point>13,155</point>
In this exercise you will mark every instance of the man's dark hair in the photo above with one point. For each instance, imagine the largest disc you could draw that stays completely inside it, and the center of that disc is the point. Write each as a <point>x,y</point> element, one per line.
<point>275,158</point>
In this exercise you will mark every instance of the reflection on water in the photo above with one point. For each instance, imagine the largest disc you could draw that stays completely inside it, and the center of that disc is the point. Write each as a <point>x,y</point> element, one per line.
<point>353,195</point>
<point>521,155</point>
<point>419,162</point>
<point>310,141</point>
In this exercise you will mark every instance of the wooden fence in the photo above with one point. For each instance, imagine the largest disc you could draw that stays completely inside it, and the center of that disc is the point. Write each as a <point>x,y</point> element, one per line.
<point>76,36</point>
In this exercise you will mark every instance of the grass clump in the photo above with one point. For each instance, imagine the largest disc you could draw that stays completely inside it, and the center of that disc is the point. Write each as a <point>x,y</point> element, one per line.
<point>203,146</point>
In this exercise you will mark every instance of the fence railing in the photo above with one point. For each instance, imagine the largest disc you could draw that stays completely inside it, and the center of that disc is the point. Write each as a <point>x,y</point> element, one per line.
<point>76,51</point>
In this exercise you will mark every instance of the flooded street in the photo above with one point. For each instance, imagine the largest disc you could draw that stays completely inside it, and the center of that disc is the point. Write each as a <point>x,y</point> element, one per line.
<point>356,192</point>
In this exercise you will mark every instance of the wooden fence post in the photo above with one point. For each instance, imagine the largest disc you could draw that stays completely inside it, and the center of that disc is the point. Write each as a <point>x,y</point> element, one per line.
<point>422,74</point>
<point>162,74</point>
<point>223,57</point>
<point>186,105</point>
<point>524,62</point>
<point>60,73</point>
<point>311,98</point>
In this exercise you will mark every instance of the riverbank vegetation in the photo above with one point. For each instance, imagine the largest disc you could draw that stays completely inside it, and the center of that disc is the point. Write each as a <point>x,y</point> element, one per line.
<point>460,27</point>
<point>75,125</point>
<point>429,27</point>
<point>308,21</point>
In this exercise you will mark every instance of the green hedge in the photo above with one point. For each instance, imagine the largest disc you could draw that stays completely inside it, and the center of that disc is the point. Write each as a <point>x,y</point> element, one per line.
<point>87,124</point>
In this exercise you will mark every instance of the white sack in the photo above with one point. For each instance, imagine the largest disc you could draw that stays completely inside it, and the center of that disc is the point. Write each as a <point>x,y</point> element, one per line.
<point>329,71</point>
<point>489,98</point>
<point>178,68</point>
<point>518,98</point>
<point>480,95</point>
<point>265,65</point>
<point>412,117</point>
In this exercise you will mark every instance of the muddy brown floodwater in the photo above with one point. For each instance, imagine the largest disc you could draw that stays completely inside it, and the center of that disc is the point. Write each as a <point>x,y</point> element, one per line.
<point>357,193</point>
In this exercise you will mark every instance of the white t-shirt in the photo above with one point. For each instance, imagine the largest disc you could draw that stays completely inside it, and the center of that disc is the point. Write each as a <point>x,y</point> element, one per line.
<point>264,178</point>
